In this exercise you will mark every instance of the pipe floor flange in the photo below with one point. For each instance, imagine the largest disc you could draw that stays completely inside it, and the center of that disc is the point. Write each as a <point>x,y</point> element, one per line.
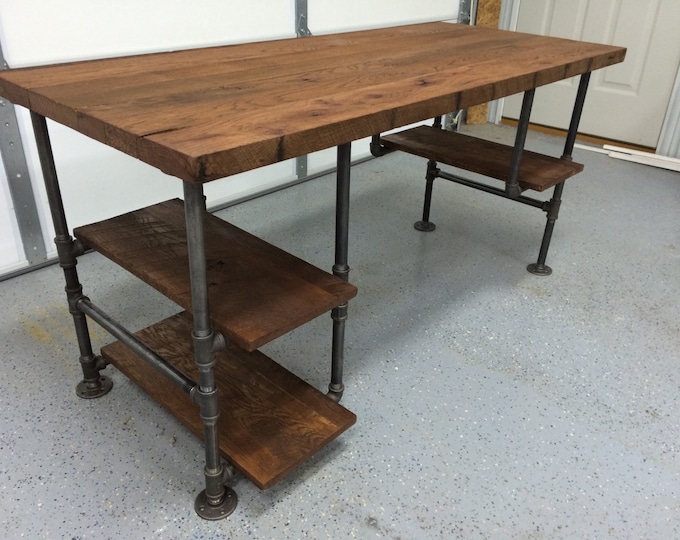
<point>539,269</point>
<point>221,511</point>
<point>85,391</point>
<point>425,226</point>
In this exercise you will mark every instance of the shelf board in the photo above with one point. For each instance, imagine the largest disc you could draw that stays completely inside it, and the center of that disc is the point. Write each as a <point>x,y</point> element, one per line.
<point>537,171</point>
<point>257,292</point>
<point>271,420</point>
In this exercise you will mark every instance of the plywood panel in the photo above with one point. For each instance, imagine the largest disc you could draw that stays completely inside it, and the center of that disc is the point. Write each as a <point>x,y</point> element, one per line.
<point>488,15</point>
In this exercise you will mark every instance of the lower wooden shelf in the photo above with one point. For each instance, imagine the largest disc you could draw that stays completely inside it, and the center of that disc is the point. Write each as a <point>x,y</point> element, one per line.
<point>537,171</point>
<point>271,420</point>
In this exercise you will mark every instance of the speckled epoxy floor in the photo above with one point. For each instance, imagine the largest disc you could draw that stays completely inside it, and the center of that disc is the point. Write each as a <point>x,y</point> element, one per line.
<point>491,403</point>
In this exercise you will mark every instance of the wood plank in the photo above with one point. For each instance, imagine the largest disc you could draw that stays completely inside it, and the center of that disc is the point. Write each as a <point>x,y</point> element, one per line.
<point>205,114</point>
<point>257,292</point>
<point>537,171</point>
<point>271,420</point>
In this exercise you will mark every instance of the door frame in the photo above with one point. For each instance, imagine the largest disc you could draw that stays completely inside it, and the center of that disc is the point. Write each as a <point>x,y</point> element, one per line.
<point>669,139</point>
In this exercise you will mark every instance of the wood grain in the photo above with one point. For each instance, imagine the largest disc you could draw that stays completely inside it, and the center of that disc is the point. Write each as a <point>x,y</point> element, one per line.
<point>257,292</point>
<point>209,113</point>
<point>271,420</point>
<point>537,171</point>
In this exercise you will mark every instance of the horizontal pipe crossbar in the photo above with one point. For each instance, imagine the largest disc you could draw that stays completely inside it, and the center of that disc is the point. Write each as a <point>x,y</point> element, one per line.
<point>490,189</point>
<point>133,343</point>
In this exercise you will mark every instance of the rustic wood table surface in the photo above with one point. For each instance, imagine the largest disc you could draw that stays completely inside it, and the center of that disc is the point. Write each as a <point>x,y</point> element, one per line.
<point>209,113</point>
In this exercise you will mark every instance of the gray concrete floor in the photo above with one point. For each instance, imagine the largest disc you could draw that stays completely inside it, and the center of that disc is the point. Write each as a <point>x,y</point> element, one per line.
<point>491,403</point>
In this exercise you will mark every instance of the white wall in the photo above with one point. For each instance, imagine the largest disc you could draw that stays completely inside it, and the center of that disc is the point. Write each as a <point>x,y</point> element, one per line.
<point>327,16</point>
<point>98,182</point>
<point>45,31</point>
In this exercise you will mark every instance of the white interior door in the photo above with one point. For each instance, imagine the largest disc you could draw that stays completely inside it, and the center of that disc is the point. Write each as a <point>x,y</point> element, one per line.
<point>626,102</point>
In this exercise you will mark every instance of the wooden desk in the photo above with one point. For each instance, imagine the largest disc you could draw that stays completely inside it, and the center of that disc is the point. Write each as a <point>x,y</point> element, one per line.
<point>205,114</point>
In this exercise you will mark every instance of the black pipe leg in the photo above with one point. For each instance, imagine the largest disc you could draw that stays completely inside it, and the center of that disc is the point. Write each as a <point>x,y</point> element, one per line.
<point>512,187</point>
<point>425,225</point>
<point>336,387</point>
<point>340,269</point>
<point>93,384</point>
<point>553,207</point>
<point>216,501</point>
<point>539,268</point>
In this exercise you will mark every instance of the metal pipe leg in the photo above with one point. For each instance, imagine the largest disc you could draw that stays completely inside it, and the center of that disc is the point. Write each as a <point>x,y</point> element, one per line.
<point>576,115</point>
<point>340,269</point>
<point>336,387</point>
<point>216,501</point>
<point>539,268</point>
<point>93,384</point>
<point>425,224</point>
<point>553,207</point>
<point>512,188</point>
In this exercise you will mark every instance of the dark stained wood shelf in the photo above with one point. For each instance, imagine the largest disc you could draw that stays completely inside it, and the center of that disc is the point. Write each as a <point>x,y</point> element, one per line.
<point>537,171</point>
<point>257,292</point>
<point>271,421</point>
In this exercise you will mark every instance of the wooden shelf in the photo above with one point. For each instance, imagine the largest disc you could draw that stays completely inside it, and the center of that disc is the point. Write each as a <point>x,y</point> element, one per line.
<point>257,292</point>
<point>271,421</point>
<point>537,171</point>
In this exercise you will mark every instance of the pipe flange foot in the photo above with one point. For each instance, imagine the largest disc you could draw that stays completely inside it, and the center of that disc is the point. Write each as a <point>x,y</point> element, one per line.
<point>90,390</point>
<point>213,512</point>
<point>425,226</point>
<point>539,269</point>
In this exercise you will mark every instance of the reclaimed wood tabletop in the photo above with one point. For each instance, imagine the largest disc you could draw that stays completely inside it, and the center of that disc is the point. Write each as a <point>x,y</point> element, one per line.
<point>208,113</point>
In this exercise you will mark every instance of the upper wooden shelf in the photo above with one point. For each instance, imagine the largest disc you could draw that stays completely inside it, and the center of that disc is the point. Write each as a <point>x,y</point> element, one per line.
<point>257,292</point>
<point>537,171</point>
<point>208,113</point>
